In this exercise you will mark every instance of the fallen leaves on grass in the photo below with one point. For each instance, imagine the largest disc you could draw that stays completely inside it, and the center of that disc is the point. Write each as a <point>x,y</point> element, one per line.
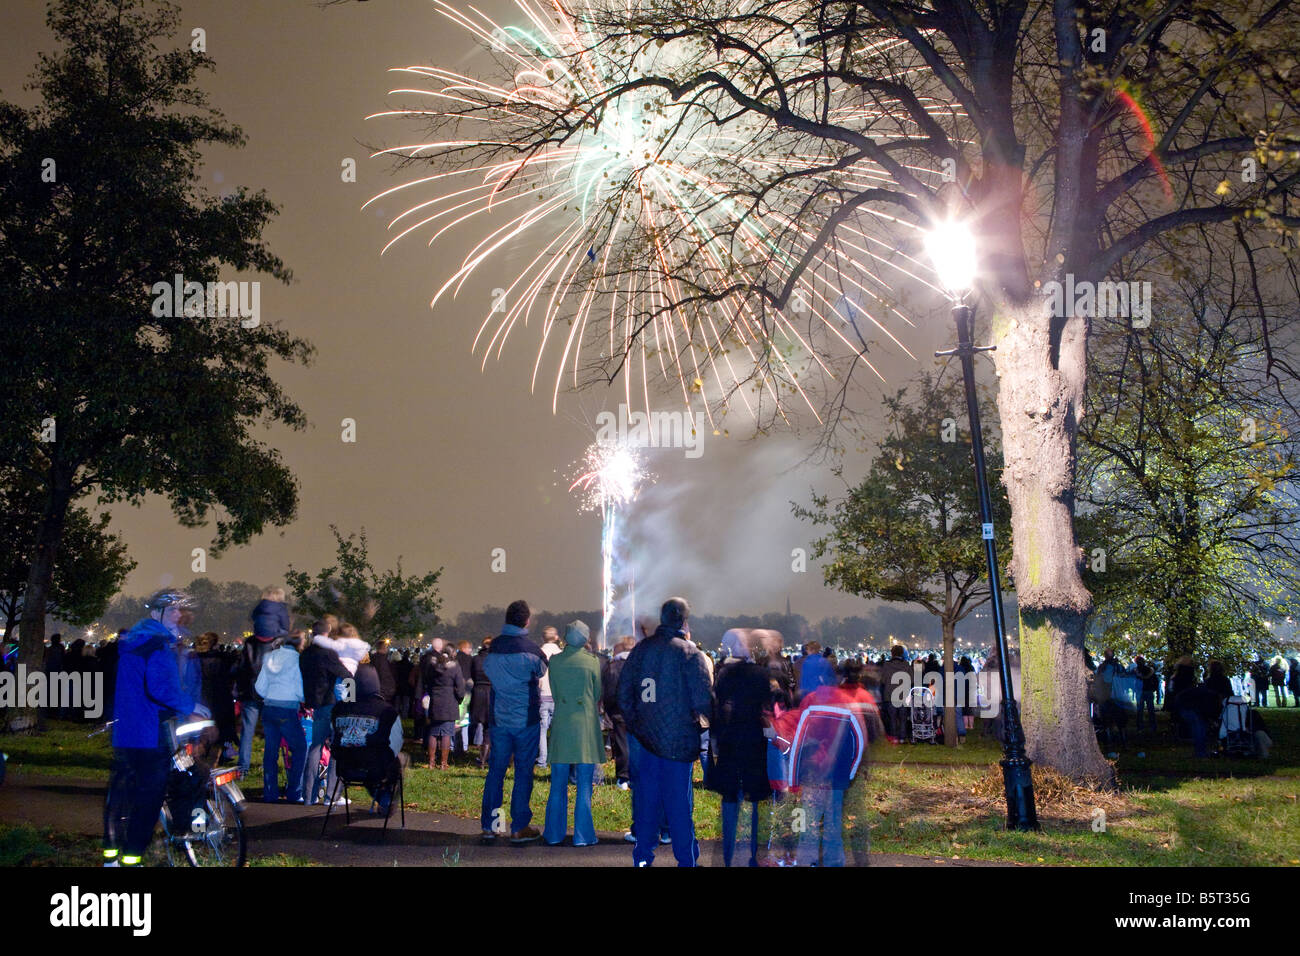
<point>1055,795</point>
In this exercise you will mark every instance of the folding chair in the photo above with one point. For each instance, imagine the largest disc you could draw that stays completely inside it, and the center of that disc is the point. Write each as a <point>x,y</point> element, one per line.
<point>348,774</point>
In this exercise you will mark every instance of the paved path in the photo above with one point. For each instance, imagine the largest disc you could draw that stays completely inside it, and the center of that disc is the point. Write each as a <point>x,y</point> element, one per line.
<point>75,805</point>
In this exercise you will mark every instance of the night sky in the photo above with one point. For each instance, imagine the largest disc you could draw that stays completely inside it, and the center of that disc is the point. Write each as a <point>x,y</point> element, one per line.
<point>450,461</point>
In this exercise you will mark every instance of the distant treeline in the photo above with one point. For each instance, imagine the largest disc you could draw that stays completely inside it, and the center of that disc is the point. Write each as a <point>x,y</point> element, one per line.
<point>225,608</point>
<point>872,631</point>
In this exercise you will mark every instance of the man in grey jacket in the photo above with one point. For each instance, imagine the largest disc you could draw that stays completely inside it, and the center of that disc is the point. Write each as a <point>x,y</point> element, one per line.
<point>663,692</point>
<point>514,665</point>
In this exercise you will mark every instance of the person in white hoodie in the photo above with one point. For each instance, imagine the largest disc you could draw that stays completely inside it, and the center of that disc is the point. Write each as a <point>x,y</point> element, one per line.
<point>352,650</point>
<point>280,686</point>
<point>550,647</point>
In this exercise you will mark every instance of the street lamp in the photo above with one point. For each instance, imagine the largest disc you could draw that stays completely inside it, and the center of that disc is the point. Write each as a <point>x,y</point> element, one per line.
<point>951,246</point>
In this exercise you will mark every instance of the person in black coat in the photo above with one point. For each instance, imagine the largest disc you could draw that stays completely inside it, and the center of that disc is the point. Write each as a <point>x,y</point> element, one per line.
<point>1217,680</point>
<point>480,703</point>
<point>444,689</point>
<point>1277,675</point>
<point>609,674</point>
<point>460,740</point>
<point>217,685</point>
<point>742,704</point>
<point>107,653</point>
<point>402,668</point>
<point>417,693</point>
<point>384,668</point>
<point>321,669</point>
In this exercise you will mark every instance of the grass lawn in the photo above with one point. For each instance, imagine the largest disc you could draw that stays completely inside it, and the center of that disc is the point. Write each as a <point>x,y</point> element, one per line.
<point>1171,810</point>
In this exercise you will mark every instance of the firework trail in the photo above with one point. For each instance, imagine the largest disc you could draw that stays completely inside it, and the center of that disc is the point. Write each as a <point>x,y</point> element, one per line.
<point>632,208</point>
<point>609,477</point>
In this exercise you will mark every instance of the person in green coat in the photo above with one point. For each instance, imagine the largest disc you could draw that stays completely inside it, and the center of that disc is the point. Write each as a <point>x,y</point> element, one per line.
<point>575,737</point>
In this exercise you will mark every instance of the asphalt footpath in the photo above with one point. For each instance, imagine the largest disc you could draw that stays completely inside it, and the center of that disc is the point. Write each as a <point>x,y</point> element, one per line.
<point>75,805</point>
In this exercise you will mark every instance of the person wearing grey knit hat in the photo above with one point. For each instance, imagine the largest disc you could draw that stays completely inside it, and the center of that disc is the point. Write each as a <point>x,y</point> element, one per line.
<point>576,634</point>
<point>575,737</point>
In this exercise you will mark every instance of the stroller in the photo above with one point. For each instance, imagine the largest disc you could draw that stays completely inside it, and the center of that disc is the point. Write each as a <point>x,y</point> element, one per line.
<point>1236,729</point>
<point>920,701</point>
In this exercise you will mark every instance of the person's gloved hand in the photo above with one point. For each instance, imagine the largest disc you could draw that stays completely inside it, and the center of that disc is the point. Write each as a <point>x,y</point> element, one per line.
<point>202,711</point>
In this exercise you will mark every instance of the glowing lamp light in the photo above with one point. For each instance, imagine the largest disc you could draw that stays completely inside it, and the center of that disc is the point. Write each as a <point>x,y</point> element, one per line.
<point>951,247</point>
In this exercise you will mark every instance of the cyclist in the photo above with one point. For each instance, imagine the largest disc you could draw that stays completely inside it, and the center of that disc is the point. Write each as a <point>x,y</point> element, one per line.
<point>148,693</point>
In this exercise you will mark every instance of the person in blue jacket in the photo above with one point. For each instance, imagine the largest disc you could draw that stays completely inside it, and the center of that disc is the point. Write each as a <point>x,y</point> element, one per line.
<point>514,665</point>
<point>148,693</point>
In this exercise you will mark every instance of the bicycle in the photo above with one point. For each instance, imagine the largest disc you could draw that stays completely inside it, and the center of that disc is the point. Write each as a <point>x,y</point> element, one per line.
<point>202,811</point>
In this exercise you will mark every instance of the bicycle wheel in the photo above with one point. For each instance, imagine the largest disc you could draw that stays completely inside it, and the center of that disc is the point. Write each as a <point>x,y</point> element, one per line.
<point>220,839</point>
<point>172,843</point>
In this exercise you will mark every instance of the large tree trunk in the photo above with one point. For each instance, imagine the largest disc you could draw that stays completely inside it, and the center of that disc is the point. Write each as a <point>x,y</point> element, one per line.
<point>1039,399</point>
<point>31,645</point>
<point>950,695</point>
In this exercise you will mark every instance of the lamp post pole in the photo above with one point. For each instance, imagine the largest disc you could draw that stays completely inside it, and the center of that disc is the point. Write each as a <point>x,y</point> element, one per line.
<point>1016,774</point>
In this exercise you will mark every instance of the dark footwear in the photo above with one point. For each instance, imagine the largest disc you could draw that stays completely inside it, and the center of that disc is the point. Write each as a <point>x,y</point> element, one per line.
<point>526,835</point>
<point>487,836</point>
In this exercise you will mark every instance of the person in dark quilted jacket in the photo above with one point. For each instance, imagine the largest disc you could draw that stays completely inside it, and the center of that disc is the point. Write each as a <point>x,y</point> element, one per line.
<point>665,696</point>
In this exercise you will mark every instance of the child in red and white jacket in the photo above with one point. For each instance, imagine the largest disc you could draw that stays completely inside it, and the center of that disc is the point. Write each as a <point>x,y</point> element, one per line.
<point>826,739</point>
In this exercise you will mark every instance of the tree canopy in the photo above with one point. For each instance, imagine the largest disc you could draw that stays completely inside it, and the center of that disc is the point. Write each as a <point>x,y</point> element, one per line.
<point>380,604</point>
<point>108,388</point>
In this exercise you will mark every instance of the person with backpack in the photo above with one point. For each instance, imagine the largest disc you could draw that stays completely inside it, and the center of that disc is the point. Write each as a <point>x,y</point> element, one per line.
<point>148,693</point>
<point>663,692</point>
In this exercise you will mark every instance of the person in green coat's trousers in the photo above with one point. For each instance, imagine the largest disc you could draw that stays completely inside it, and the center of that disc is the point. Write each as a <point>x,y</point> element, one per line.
<point>575,737</point>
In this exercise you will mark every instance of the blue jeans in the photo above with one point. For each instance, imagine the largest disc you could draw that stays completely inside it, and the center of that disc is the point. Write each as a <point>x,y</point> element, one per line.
<point>278,722</point>
<point>521,744</point>
<point>320,734</point>
<point>557,806</point>
<point>249,709</point>
<point>547,710</point>
<point>662,787</point>
<point>824,824</point>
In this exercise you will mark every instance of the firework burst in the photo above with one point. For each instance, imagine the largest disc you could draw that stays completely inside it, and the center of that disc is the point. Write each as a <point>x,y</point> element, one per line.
<point>631,212</point>
<point>609,477</point>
